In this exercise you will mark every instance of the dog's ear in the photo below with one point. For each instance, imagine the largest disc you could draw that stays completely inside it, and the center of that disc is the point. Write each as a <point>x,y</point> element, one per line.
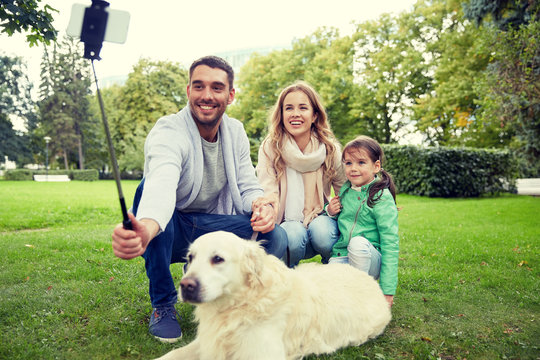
<point>252,264</point>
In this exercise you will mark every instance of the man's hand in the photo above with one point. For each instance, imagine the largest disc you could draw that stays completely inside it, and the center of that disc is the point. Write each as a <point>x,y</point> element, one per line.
<point>334,206</point>
<point>389,299</point>
<point>263,216</point>
<point>128,244</point>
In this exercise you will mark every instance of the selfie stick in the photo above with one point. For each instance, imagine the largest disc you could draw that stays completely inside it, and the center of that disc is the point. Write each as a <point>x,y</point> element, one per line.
<point>92,35</point>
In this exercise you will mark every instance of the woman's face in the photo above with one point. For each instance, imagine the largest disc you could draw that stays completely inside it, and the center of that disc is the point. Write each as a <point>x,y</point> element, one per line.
<point>298,116</point>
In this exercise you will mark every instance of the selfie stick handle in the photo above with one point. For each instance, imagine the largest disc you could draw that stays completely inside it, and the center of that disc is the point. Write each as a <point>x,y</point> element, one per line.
<point>126,222</point>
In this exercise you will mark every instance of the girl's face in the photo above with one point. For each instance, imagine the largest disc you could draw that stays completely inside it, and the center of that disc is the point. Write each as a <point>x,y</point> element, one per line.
<point>359,168</point>
<point>298,116</point>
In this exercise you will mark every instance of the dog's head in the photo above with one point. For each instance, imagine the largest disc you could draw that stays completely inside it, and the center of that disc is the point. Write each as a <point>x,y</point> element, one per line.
<point>220,263</point>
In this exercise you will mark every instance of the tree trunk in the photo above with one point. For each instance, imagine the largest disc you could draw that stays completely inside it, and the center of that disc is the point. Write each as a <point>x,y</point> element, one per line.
<point>65,159</point>
<point>81,155</point>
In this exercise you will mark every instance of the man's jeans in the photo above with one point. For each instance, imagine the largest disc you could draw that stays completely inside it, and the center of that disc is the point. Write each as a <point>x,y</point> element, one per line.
<point>172,244</point>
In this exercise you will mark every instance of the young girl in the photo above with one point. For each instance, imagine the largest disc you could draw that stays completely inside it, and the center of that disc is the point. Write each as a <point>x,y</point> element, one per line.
<point>367,219</point>
<point>299,162</point>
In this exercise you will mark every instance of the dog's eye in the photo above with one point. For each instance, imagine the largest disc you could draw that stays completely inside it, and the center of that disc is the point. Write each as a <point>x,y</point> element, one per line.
<point>217,260</point>
<point>189,258</point>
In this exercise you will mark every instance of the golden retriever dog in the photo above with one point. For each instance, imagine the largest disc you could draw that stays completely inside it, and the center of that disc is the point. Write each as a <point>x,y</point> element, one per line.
<point>249,305</point>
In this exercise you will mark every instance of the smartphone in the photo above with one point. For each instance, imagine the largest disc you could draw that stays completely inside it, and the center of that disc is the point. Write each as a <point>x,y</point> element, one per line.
<point>117,24</point>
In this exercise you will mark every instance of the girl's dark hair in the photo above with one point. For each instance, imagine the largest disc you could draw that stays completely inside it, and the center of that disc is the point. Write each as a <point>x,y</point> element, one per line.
<point>375,152</point>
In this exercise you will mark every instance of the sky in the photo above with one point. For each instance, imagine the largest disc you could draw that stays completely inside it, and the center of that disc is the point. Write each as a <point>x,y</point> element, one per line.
<point>183,31</point>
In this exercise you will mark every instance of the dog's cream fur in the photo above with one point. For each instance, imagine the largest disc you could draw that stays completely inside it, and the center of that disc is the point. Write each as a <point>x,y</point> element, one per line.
<point>251,306</point>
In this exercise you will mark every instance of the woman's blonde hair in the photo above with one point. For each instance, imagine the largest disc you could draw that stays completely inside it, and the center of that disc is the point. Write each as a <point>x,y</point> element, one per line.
<point>320,129</point>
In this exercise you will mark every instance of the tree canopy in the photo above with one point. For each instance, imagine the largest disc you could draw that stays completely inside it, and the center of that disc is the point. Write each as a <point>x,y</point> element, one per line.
<point>153,89</point>
<point>64,106</point>
<point>445,73</point>
<point>26,16</point>
<point>15,103</point>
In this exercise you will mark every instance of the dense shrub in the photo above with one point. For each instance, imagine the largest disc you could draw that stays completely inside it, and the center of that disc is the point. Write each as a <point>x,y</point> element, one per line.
<point>26,174</point>
<point>85,175</point>
<point>450,172</point>
<point>18,174</point>
<point>124,175</point>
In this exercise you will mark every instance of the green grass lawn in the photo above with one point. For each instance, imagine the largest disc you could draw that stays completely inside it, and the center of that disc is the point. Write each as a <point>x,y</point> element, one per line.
<point>469,279</point>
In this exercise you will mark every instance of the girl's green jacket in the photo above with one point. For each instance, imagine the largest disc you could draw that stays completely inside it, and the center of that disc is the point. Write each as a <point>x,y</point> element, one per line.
<point>378,224</point>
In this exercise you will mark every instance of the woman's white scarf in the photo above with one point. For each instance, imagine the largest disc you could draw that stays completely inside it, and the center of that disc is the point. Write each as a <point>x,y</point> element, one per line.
<point>304,199</point>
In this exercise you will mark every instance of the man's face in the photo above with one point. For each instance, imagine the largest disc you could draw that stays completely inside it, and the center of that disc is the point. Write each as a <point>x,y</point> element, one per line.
<point>209,95</point>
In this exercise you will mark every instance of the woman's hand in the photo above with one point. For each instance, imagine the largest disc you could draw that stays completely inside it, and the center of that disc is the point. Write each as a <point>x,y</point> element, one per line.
<point>263,218</point>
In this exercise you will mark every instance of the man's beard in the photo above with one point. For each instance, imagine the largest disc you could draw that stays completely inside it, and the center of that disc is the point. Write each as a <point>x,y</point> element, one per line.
<point>208,124</point>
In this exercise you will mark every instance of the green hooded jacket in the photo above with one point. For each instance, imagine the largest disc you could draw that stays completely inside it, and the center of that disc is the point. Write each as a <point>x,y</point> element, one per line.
<point>378,224</point>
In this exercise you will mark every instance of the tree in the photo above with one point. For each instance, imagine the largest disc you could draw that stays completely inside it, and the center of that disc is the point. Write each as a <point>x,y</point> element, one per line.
<point>15,87</point>
<point>511,85</point>
<point>96,149</point>
<point>424,71</point>
<point>391,72</point>
<point>64,105</point>
<point>14,145</point>
<point>262,78</point>
<point>258,86</point>
<point>15,102</point>
<point>153,89</point>
<point>452,58</point>
<point>503,13</point>
<point>331,73</point>
<point>25,15</point>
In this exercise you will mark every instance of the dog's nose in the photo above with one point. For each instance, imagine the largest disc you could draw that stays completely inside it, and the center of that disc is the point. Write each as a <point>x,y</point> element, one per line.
<point>190,289</point>
<point>189,284</point>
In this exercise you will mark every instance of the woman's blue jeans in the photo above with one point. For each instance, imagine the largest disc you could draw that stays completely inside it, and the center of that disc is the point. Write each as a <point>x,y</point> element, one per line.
<point>318,238</point>
<point>184,228</point>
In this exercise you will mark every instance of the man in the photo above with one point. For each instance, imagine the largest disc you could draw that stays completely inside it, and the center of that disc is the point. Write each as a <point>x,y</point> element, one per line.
<point>198,178</point>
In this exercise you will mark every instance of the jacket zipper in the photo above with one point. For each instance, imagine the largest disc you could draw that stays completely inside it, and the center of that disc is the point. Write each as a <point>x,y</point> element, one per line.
<point>355,219</point>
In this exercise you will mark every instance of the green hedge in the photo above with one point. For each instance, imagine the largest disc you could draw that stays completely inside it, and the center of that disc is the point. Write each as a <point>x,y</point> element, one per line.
<point>26,174</point>
<point>19,174</point>
<point>450,172</point>
<point>85,175</point>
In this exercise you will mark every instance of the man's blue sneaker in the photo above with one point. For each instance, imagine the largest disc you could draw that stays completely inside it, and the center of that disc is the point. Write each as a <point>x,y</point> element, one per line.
<point>164,325</point>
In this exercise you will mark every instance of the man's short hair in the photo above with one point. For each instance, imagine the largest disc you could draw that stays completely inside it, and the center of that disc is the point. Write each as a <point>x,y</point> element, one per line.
<point>214,62</point>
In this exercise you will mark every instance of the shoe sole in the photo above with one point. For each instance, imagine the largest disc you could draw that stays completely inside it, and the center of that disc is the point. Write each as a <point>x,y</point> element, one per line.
<point>168,340</point>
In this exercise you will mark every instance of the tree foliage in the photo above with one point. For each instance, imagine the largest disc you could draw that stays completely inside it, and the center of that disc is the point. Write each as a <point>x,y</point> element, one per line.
<point>262,78</point>
<point>26,16</point>
<point>13,144</point>
<point>15,87</point>
<point>512,81</point>
<point>15,102</point>
<point>96,147</point>
<point>64,106</point>
<point>452,74</point>
<point>153,89</point>
<point>504,14</point>
<point>447,113</point>
<point>391,72</point>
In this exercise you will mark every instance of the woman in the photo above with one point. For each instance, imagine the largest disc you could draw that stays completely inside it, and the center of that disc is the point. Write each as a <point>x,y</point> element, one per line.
<point>299,162</point>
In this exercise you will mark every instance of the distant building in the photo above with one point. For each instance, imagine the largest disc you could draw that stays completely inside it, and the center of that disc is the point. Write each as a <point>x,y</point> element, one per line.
<point>237,58</point>
<point>112,80</point>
